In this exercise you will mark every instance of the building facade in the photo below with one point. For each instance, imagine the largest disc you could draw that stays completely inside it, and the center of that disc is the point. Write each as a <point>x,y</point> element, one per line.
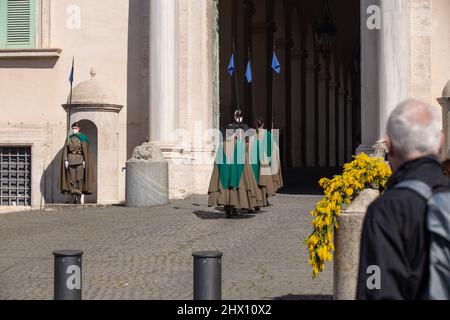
<point>156,70</point>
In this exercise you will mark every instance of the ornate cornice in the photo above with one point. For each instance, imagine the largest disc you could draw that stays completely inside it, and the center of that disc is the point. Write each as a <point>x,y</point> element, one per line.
<point>93,107</point>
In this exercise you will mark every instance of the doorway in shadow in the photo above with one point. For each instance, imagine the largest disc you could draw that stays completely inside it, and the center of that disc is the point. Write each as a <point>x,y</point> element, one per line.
<point>90,130</point>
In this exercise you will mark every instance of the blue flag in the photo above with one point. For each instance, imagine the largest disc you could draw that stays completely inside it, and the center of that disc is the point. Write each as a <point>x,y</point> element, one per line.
<point>276,64</point>
<point>248,72</point>
<point>231,66</point>
<point>72,71</point>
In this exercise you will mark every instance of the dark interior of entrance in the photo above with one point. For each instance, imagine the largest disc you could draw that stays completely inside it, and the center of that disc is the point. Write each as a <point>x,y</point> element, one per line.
<point>90,130</point>
<point>315,101</point>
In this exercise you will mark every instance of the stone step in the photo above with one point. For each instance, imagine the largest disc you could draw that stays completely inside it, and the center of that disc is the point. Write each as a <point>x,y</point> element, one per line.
<point>59,207</point>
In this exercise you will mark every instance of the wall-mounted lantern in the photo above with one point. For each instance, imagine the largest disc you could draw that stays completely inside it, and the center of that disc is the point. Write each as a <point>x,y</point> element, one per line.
<point>325,31</point>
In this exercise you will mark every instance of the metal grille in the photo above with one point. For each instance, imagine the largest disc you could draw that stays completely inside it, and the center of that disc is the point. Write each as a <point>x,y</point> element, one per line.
<point>15,176</point>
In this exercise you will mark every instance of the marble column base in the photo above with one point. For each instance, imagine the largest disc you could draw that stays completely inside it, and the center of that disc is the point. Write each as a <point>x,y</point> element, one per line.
<point>365,149</point>
<point>147,183</point>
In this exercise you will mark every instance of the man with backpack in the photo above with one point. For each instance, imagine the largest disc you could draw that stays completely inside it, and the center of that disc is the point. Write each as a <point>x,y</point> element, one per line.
<point>405,245</point>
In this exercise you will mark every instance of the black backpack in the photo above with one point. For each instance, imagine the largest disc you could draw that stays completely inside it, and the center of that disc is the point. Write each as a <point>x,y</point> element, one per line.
<point>438,225</point>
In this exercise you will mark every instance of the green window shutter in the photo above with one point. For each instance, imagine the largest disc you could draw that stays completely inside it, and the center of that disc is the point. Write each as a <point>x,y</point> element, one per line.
<point>2,24</point>
<point>17,23</point>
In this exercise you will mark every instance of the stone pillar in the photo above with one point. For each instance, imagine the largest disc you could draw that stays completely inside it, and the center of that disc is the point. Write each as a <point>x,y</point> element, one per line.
<point>347,241</point>
<point>310,78</point>
<point>163,70</point>
<point>393,58</point>
<point>369,82</point>
<point>334,115</point>
<point>342,116</point>
<point>323,113</point>
<point>184,89</point>
<point>349,121</point>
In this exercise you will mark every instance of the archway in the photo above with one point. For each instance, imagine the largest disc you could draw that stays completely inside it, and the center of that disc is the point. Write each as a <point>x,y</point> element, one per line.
<point>315,102</point>
<point>90,130</point>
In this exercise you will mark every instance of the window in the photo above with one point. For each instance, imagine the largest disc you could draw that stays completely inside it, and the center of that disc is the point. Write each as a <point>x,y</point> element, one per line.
<point>17,24</point>
<point>15,176</point>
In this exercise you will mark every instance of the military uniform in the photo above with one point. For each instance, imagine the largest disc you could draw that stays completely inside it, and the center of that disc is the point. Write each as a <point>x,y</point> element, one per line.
<point>234,181</point>
<point>75,158</point>
<point>77,178</point>
<point>271,178</point>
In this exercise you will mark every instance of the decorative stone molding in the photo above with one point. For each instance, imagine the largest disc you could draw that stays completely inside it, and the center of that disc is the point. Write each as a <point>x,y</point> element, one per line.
<point>147,152</point>
<point>380,149</point>
<point>94,107</point>
<point>39,53</point>
<point>43,23</point>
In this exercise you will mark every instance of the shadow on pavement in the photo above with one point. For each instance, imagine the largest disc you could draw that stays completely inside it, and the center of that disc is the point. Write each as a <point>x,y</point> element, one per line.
<point>210,215</point>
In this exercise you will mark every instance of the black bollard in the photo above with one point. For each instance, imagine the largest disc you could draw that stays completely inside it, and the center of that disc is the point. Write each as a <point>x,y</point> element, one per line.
<point>67,281</point>
<point>208,275</point>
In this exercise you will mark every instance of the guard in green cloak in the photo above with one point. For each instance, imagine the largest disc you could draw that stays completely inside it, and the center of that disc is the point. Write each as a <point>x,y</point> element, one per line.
<point>77,175</point>
<point>233,182</point>
<point>264,154</point>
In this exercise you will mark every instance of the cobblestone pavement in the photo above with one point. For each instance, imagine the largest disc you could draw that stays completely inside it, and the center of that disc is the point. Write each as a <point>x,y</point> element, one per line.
<point>146,253</point>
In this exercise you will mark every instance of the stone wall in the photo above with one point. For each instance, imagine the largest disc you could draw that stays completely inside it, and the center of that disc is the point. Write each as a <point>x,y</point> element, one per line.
<point>430,45</point>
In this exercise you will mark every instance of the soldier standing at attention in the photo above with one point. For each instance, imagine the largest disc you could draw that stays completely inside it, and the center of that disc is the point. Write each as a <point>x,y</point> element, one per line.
<point>77,176</point>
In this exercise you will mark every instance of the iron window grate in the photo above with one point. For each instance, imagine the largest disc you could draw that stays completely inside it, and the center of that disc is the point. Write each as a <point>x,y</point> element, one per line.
<point>15,176</point>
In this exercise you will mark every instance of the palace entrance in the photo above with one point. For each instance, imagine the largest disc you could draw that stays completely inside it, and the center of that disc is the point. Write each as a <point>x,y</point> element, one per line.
<point>315,101</point>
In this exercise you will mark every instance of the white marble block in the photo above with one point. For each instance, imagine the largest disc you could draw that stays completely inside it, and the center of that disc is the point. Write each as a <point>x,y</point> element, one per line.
<point>147,183</point>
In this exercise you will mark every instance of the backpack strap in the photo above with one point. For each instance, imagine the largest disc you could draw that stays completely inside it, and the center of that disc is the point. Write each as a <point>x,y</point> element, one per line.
<point>417,186</point>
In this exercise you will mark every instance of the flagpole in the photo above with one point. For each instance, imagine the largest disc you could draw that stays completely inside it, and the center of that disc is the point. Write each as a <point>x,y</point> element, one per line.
<point>70,98</point>
<point>273,90</point>
<point>70,111</point>
<point>236,76</point>
<point>250,107</point>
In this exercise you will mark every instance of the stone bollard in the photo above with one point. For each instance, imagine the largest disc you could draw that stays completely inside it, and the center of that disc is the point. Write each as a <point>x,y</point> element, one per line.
<point>347,241</point>
<point>208,275</point>
<point>147,178</point>
<point>67,275</point>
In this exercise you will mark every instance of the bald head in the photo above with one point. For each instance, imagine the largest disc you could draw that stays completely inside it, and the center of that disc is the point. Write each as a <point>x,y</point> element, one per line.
<point>414,130</point>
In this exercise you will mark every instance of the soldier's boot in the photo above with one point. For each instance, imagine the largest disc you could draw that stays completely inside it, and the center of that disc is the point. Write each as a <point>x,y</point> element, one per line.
<point>78,198</point>
<point>228,212</point>
<point>73,199</point>
<point>234,212</point>
<point>68,198</point>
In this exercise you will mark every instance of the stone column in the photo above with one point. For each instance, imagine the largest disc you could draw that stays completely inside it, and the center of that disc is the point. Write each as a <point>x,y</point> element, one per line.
<point>163,70</point>
<point>334,115</point>
<point>342,94</point>
<point>369,82</point>
<point>184,89</point>
<point>393,58</point>
<point>310,70</point>
<point>349,120</point>
<point>323,113</point>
